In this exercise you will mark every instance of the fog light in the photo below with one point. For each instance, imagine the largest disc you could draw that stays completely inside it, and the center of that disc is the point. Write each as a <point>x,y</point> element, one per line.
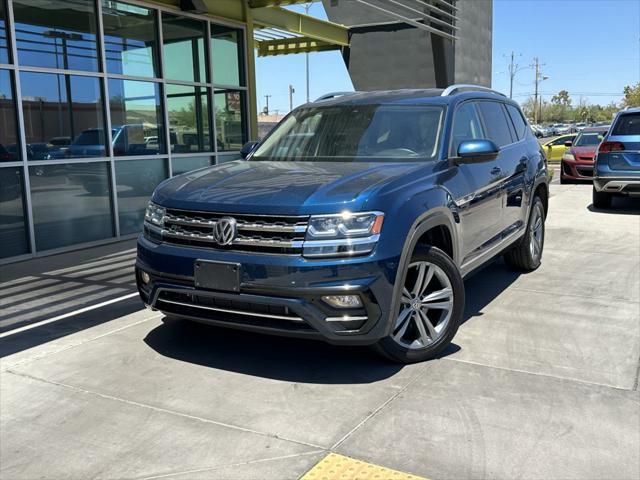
<point>145,277</point>
<point>343,301</point>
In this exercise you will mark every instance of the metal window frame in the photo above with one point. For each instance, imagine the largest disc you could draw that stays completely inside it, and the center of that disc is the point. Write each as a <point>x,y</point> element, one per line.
<point>104,76</point>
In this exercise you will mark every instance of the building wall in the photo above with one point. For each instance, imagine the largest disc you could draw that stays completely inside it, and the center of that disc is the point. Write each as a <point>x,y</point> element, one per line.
<point>388,54</point>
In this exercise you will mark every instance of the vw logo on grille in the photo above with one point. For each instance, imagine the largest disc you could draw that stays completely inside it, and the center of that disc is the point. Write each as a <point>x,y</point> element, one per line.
<point>225,230</point>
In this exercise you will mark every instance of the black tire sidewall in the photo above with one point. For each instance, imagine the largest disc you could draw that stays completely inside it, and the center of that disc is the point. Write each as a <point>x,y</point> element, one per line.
<point>388,347</point>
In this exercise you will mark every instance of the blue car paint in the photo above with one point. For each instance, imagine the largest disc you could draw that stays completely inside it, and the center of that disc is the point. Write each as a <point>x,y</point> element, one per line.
<point>414,195</point>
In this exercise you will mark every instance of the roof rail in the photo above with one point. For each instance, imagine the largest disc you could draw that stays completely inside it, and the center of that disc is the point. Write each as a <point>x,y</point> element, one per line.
<point>462,87</point>
<point>328,96</point>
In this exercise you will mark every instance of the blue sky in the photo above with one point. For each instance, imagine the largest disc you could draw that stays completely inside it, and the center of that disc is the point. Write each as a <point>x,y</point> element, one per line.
<point>589,47</point>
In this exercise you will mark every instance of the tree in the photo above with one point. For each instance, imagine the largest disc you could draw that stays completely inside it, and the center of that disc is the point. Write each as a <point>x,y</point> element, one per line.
<point>631,96</point>
<point>562,98</point>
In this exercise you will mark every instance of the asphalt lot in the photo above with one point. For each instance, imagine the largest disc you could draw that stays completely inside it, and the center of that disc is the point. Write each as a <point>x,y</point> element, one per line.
<point>541,382</point>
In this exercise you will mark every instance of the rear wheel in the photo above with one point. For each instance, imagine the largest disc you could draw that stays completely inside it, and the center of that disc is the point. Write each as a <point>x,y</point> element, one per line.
<point>601,199</point>
<point>527,255</point>
<point>431,309</point>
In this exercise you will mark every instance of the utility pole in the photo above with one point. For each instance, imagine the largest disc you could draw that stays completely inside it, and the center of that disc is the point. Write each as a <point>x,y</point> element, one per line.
<point>537,109</point>
<point>306,55</point>
<point>513,69</point>
<point>291,92</point>
<point>266,109</point>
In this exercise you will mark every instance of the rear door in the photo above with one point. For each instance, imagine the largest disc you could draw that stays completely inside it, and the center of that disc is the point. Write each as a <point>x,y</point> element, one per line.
<point>625,134</point>
<point>475,188</point>
<point>511,163</point>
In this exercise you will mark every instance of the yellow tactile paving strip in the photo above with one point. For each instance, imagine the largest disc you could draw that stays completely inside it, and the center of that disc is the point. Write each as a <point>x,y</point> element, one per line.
<point>339,467</point>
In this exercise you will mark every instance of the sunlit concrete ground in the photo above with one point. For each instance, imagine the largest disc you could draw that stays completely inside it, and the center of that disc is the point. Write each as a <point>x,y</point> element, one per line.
<point>541,382</point>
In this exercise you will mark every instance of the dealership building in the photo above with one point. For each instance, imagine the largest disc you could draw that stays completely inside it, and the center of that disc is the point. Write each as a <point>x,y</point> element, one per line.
<point>100,100</point>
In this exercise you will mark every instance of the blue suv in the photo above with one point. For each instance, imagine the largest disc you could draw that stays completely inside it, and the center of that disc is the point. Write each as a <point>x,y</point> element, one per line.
<point>354,221</point>
<point>617,163</point>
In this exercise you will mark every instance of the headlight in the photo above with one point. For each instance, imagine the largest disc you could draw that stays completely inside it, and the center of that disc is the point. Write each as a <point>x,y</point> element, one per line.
<point>154,214</point>
<point>568,156</point>
<point>344,234</point>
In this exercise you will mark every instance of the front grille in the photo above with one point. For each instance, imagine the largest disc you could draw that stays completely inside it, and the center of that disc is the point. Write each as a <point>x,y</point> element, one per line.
<point>262,234</point>
<point>237,311</point>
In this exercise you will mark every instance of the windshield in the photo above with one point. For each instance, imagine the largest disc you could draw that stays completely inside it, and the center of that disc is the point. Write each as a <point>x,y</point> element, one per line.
<point>356,132</point>
<point>589,139</point>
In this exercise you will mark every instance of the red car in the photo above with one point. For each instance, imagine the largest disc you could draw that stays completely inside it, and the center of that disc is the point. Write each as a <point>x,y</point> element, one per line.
<point>577,161</point>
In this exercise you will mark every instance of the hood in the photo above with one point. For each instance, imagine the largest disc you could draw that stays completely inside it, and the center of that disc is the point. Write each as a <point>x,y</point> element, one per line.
<point>280,187</point>
<point>584,153</point>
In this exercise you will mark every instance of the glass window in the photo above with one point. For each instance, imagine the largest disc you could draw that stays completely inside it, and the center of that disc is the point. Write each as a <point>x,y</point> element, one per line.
<point>184,54</point>
<point>188,111</point>
<point>230,126</point>
<point>518,122</point>
<point>136,118</point>
<point>186,164</point>
<point>226,48</point>
<point>466,126</point>
<point>13,229</point>
<point>136,180</point>
<point>588,139</point>
<point>71,203</point>
<point>230,157</point>
<point>63,115</point>
<point>130,39</point>
<point>4,43</point>
<point>57,34</point>
<point>495,122</point>
<point>627,124</point>
<point>9,149</point>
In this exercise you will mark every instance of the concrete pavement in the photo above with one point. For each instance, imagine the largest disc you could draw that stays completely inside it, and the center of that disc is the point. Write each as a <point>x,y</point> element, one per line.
<point>541,382</point>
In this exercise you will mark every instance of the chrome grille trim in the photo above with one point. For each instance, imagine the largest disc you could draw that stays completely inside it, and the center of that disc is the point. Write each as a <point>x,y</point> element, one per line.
<point>235,312</point>
<point>276,227</point>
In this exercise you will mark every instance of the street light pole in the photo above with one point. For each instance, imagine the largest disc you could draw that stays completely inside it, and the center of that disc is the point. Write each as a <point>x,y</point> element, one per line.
<point>306,55</point>
<point>291,92</point>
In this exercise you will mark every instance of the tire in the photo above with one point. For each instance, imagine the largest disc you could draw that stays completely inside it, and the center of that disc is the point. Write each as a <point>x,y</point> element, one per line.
<point>527,254</point>
<point>562,180</point>
<point>601,199</point>
<point>411,339</point>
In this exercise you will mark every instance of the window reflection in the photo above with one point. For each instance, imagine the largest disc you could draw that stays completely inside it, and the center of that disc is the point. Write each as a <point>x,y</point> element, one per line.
<point>63,116</point>
<point>136,180</point>
<point>130,39</point>
<point>9,149</point>
<point>184,54</point>
<point>56,33</point>
<point>230,126</point>
<point>13,230</point>
<point>225,53</point>
<point>71,203</point>
<point>188,111</point>
<point>136,118</point>
<point>4,44</point>
<point>186,164</point>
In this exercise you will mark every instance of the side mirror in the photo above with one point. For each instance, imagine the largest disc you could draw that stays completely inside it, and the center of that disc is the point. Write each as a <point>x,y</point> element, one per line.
<point>247,148</point>
<point>568,143</point>
<point>477,151</point>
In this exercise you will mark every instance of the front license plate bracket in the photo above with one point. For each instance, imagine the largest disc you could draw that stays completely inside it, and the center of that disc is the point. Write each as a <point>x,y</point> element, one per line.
<point>223,276</point>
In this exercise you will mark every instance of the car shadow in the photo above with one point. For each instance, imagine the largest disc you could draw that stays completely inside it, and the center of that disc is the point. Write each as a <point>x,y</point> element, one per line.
<point>619,206</point>
<point>303,360</point>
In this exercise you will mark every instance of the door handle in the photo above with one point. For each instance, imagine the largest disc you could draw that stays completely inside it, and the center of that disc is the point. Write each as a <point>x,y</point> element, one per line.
<point>496,171</point>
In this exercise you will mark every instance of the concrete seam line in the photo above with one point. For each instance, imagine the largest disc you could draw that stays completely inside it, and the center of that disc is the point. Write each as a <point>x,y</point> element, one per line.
<point>77,344</point>
<point>231,465</point>
<point>589,297</point>
<point>67,315</point>
<point>379,408</point>
<point>545,375</point>
<point>164,410</point>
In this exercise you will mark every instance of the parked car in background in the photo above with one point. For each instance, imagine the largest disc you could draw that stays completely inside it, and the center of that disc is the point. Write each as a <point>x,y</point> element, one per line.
<point>354,221</point>
<point>617,163</point>
<point>577,161</point>
<point>580,126</point>
<point>562,129</point>
<point>554,149</point>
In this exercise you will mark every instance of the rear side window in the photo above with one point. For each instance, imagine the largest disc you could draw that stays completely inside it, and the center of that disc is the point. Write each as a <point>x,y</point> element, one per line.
<point>518,121</point>
<point>628,124</point>
<point>495,123</point>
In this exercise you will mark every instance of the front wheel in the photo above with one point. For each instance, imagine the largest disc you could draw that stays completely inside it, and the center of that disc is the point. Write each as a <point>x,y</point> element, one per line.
<point>431,309</point>
<point>527,254</point>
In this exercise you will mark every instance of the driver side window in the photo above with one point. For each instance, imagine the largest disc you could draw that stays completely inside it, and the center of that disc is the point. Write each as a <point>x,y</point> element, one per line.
<point>466,126</point>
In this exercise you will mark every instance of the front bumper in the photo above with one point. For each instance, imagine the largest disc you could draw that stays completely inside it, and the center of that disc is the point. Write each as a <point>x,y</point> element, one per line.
<point>279,294</point>
<point>576,169</point>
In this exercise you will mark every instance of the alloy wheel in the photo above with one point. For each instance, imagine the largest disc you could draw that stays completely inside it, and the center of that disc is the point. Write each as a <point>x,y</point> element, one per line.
<point>426,306</point>
<point>536,233</point>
